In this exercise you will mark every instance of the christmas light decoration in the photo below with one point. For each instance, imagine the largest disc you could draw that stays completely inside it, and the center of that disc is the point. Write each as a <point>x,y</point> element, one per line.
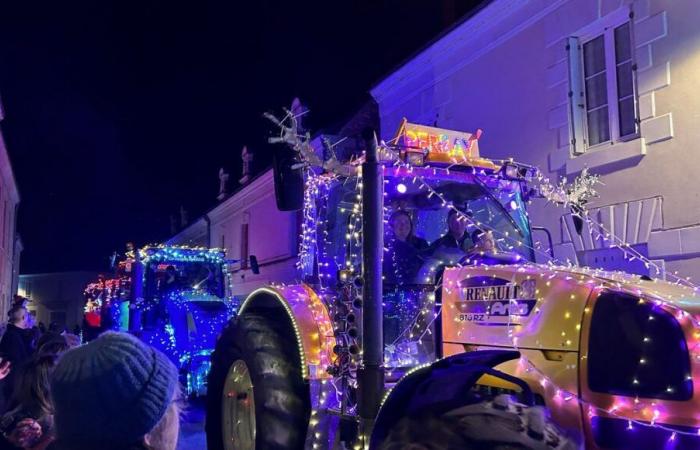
<point>336,265</point>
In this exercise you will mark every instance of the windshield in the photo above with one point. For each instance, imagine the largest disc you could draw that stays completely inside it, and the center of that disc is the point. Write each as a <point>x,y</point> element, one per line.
<point>165,277</point>
<point>435,214</point>
<point>417,205</point>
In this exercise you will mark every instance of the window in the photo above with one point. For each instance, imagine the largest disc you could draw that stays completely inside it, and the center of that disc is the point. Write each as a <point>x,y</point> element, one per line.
<point>603,92</point>
<point>637,349</point>
<point>244,246</point>
<point>4,226</point>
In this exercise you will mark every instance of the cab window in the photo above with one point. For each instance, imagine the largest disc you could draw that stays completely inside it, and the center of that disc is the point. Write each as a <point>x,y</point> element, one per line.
<point>637,349</point>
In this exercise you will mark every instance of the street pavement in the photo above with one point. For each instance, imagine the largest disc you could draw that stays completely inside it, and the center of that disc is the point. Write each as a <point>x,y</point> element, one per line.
<point>192,435</point>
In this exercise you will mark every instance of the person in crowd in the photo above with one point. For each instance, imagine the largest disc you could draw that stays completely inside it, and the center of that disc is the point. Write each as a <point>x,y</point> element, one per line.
<point>42,327</point>
<point>115,393</point>
<point>15,345</point>
<point>404,258</point>
<point>456,236</point>
<point>4,369</point>
<point>55,343</point>
<point>29,422</point>
<point>19,302</point>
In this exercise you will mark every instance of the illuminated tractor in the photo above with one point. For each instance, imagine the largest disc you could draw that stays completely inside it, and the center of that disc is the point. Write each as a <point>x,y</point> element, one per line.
<point>174,298</point>
<point>106,306</point>
<point>317,364</point>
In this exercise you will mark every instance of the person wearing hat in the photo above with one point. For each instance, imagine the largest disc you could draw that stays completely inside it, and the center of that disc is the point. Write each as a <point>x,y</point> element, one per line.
<point>115,393</point>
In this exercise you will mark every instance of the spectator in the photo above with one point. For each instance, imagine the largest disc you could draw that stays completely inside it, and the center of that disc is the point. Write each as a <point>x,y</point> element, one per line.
<point>55,343</point>
<point>4,369</point>
<point>16,345</point>
<point>29,424</point>
<point>115,393</point>
<point>19,302</point>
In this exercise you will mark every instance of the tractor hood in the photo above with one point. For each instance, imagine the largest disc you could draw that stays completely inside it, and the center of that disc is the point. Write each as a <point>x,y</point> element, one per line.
<point>538,306</point>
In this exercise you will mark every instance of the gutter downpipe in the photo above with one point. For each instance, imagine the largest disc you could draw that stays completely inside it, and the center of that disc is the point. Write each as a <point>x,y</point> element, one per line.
<point>208,221</point>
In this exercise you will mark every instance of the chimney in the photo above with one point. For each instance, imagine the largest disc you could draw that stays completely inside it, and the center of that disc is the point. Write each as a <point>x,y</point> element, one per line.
<point>247,157</point>
<point>223,180</point>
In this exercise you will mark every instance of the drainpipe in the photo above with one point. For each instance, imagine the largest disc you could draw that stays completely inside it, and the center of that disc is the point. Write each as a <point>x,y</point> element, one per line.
<point>208,221</point>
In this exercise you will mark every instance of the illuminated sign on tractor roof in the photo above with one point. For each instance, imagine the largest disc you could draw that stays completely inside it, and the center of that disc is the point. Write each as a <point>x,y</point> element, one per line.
<point>440,143</point>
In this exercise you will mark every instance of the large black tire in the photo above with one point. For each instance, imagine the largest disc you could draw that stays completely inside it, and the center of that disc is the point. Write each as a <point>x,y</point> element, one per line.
<point>267,345</point>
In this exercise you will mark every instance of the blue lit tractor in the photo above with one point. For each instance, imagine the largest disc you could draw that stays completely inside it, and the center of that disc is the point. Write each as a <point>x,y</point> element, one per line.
<point>173,298</point>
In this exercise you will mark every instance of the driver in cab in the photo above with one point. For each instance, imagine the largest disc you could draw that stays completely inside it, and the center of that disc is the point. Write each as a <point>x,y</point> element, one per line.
<point>456,242</point>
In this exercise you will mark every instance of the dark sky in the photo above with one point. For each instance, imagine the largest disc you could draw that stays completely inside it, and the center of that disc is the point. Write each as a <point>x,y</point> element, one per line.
<point>118,112</point>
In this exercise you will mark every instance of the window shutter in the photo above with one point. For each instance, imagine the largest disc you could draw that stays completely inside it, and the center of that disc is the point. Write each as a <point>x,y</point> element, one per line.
<point>577,100</point>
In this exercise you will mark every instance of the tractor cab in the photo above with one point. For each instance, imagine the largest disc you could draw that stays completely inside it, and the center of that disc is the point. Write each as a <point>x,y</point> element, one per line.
<point>443,206</point>
<point>184,306</point>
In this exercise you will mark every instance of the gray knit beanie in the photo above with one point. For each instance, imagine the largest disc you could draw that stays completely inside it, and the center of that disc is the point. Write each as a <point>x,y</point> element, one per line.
<point>111,391</point>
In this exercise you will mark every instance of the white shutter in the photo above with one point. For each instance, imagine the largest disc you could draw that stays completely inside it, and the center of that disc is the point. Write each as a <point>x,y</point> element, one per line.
<point>577,99</point>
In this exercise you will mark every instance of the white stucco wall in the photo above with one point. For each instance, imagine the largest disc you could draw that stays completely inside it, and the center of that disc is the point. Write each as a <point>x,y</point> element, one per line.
<point>272,235</point>
<point>505,71</point>
<point>9,251</point>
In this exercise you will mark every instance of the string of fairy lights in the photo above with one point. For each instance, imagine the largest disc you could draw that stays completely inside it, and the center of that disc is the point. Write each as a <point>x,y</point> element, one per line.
<point>577,195</point>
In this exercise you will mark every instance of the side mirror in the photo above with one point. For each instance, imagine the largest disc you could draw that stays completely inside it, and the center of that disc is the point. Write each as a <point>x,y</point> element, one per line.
<point>254,264</point>
<point>289,179</point>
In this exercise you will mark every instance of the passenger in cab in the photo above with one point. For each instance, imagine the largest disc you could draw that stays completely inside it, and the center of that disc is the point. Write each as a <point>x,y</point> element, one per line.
<point>404,258</point>
<point>486,251</point>
<point>484,242</point>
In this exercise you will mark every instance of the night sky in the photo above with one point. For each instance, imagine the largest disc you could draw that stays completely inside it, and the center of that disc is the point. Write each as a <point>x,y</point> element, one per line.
<point>119,112</point>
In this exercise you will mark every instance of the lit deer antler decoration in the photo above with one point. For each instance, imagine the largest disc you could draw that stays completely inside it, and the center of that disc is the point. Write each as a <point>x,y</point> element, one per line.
<point>301,143</point>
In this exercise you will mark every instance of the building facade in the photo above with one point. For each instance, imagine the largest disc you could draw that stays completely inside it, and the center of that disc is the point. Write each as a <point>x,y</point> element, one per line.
<point>10,246</point>
<point>608,85</point>
<point>244,224</point>
<point>56,297</point>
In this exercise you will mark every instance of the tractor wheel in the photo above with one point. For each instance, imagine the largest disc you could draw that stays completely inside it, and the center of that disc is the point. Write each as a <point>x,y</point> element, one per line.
<point>256,396</point>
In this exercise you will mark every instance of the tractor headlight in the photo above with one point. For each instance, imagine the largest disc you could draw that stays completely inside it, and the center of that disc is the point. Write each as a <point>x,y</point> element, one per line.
<point>415,158</point>
<point>513,171</point>
<point>510,171</point>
